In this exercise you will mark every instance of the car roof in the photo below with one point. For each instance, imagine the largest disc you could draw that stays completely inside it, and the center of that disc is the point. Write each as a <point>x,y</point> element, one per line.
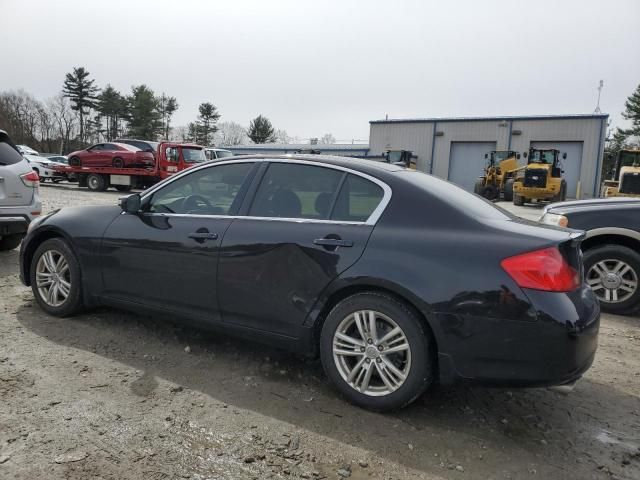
<point>370,166</point>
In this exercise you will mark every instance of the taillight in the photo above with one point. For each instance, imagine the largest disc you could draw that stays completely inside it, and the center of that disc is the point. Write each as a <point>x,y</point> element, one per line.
<point>544,269</point>
<point>30,179</point>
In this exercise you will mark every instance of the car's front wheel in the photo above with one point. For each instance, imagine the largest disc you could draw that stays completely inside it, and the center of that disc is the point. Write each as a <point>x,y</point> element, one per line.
<point>613,272</point>
<point>55,278</point>
<point>376,351</point>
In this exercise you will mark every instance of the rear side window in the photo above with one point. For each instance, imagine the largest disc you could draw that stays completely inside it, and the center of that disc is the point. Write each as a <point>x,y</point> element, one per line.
<point>8,154</point>
<point>358,199</point>
<point>296,191</point>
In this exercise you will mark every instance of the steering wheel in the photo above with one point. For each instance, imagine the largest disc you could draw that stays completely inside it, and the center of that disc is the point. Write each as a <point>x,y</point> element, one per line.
<point>195,202</point>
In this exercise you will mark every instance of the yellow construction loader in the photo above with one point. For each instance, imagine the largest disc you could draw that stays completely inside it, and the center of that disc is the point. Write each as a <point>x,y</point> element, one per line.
<point>625,181</point>
<point>502,165</point>
<point>541,179</point>
<point>405,158</point>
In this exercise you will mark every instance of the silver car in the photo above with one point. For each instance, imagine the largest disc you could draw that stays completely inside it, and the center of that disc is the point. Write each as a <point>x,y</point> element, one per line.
<point>19,194</point>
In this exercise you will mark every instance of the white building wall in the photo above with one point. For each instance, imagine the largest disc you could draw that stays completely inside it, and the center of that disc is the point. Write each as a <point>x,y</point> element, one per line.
<point>512,133</point>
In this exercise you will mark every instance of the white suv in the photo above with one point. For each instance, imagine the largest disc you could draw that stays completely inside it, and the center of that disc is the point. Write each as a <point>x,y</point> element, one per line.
<point>19,194</point>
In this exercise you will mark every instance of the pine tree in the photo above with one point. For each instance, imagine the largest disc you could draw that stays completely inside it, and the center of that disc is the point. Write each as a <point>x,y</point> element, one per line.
<point>113,107</point>
<point>145,120</point>
<point>82,92</point>
<point>167,106</point>
<point>632,112</point>
<point>207,118</point>
<point>261,130</point>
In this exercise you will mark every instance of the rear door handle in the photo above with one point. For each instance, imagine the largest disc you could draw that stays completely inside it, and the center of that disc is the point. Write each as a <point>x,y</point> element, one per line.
<point>203,236</point>
<point>333,242</point>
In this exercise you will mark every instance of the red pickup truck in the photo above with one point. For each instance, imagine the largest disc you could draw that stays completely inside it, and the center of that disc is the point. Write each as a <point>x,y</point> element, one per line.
<point>169,158</point>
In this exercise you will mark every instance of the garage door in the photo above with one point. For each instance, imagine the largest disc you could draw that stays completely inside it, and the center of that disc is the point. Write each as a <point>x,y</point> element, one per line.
<point>571,165</point>
<point>466,162</point>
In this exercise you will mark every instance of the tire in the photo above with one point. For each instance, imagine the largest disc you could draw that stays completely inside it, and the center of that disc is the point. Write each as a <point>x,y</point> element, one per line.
<point>417,362</point>
<point>96,182</point>
<point>490,192</point>
<point>75,162</point>
<point>61,306</point>
<point>611,256</point>
<point>56,180</point>
<point>518,200</point>
<point>508,190</point>
<point>123,188</point>
<point>118,163</point>
<point>9,242</point>
<point>477,188</point>
<point>562,193</point>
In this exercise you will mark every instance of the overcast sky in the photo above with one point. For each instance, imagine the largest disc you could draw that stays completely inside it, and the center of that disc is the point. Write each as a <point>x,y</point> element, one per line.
<point>315,67</point>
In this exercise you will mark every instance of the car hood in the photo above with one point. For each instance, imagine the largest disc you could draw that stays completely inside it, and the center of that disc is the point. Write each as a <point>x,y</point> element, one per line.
<point>591,204</point>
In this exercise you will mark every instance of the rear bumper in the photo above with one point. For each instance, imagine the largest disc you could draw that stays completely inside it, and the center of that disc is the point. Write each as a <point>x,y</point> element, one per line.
<point>12,224</point>
<point>556,349</point>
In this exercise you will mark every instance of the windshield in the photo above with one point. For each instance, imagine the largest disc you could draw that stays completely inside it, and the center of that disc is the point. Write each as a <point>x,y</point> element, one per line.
<point>541,156</point>
<point>193,155</point>
<point>223,153</point>
<point>627,159</point>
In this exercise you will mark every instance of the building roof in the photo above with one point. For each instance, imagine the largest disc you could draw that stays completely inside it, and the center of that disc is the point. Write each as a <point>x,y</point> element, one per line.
<point>298,146</point>
<point>494,118</point>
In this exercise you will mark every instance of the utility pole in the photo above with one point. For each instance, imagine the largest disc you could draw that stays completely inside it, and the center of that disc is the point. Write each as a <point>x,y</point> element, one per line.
<point>597,110</point>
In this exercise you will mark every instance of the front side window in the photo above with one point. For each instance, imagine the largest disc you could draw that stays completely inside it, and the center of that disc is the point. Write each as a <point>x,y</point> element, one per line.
<point>210,191</point>
<point>296,191</point>
<point>96,148</point>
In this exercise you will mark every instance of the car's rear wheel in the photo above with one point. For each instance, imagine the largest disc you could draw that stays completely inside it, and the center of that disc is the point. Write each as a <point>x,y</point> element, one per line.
<point>55,278</point>
<point>376,351</point>
<point>613,273</point>
<point>518,200</point>
<point>9,242</point>
<point>74,161</point>
<point>118,162</point>
<point>96,182</point>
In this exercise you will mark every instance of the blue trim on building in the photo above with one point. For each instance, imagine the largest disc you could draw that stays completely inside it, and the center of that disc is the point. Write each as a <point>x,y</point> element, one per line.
<point>433,147</point>
<point>599,155</point>
<point>493,119</point>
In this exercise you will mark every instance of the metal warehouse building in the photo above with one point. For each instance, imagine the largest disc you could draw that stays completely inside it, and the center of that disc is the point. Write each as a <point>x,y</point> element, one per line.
<point>454,148</point>
<point>345,150</point>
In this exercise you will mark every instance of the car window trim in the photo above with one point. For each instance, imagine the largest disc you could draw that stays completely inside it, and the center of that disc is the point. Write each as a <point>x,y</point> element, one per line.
<point>372,220</point>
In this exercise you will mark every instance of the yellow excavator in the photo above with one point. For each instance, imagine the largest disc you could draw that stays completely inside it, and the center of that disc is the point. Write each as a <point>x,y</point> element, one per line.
<point>501,166</point>
<point>541,179</point>
<point>626,175</point>
<point>405,158</point>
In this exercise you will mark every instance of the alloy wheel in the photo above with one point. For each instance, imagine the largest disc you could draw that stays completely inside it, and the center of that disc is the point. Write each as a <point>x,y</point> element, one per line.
<point>53,278</point>
<point>612,280</point>
<point>372,353</point>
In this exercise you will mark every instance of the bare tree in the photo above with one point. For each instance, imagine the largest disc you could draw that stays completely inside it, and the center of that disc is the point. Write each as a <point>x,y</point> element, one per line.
<point>282,136</point>
<point>327,139</point>
<point>66,121</point>
<point>178,134</point>
<point>230,133</point>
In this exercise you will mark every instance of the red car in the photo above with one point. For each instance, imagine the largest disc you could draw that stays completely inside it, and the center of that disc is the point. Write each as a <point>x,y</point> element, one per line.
<point>117,155</point>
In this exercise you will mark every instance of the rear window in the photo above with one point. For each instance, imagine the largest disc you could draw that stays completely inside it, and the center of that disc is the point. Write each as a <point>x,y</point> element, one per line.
<point>8,154</point>
<point>458,198</point>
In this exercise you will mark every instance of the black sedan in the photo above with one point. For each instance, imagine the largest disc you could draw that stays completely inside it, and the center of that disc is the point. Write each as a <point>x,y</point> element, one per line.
<point>396,279</point>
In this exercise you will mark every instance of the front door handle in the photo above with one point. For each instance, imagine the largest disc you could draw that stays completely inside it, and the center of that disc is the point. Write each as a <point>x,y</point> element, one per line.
<point>203,236</point>
<point>333,242</point>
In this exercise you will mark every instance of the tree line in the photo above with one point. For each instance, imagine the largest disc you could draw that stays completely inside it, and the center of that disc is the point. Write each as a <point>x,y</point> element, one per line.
<point>623,138</point>
<point>83,114</point>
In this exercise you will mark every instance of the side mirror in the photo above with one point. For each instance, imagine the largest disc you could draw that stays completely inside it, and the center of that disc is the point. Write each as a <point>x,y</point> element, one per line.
<point>564,155</point>
<point>131,203</point>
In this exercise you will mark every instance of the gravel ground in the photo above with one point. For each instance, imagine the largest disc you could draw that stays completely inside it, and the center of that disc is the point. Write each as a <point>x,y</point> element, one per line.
<point>113,395</point>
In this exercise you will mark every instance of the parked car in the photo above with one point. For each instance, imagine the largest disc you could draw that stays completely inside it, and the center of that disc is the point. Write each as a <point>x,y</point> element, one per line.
<point>335,257</point>
<point>217,153</point>
<point>44,167</point>
<point>23,149</point>
<point>144,145</point>
<point>19,195</point>
<point>116,155</point>
<point>611,248</point>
